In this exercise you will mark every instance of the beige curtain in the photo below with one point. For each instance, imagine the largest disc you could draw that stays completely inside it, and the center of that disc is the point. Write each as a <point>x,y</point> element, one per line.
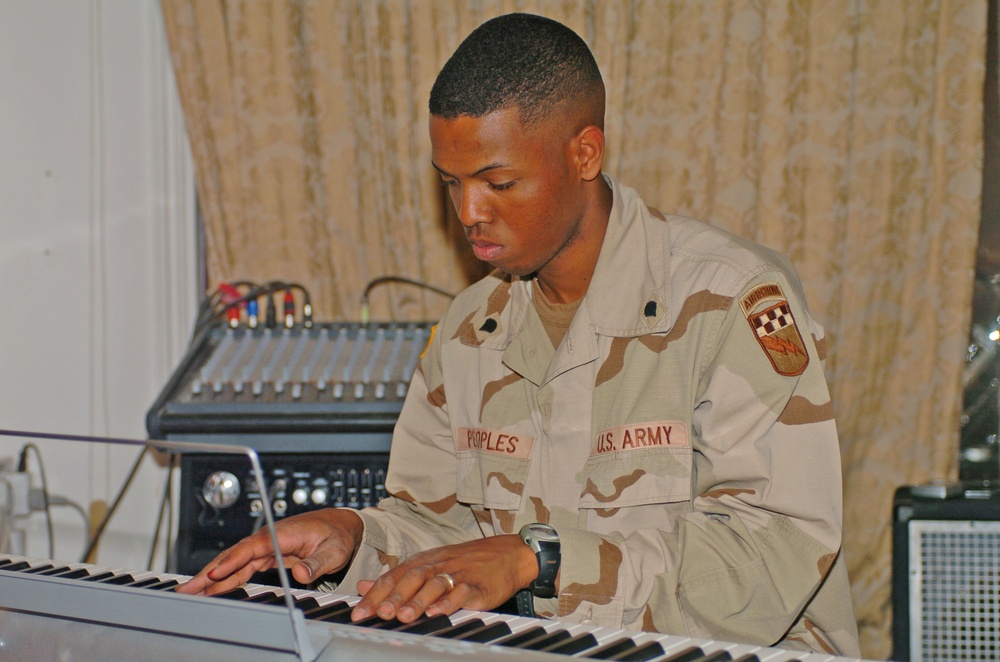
<point>846,134</point>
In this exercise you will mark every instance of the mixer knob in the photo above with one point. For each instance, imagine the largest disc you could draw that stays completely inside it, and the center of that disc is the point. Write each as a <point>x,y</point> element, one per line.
<point>300,495</point>
<point>221,489</point>
<point>319,496</point>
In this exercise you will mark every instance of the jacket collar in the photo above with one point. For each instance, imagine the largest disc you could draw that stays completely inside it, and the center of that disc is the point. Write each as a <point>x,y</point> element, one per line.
<point>628,295</point>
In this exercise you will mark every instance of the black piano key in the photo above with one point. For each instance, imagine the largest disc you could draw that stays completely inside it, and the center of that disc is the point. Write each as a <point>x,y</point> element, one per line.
<point>267,599</point>
<point>375,621</point>
<point>426,625</point>
<point>4,562</point>
<point>15,567</point>
<point>573,645</point>
<point>120,580</point>
<point>461,628</point>
<point>163,585</point>
<point>330,610</point>
<point>101,576</point>
<point>520,637</point>
<point>307,603</point>
<point>648,651</point>
<point>344,616</point>
<point>378,623</point>
<point>717,656</point>
<point>238,593</point>
<point>749,657</point>
<point>486,634</point>
<point>691,654</point>
<point>607,651</point>
<point>38,569</point>
<point>54,570</point>
<point>547,640</point>
<point>142,583</point>
<point>71,574</point>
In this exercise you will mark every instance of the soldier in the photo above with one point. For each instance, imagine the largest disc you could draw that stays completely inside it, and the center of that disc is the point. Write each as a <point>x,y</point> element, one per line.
<point>626,423</point>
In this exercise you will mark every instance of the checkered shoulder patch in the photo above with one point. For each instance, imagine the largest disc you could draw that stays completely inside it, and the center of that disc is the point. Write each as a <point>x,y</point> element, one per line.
<point>767,310</point>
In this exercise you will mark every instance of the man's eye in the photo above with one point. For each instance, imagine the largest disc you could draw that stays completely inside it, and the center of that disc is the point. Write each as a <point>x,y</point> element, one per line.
<point>449,182</point>
<point>502,186</point>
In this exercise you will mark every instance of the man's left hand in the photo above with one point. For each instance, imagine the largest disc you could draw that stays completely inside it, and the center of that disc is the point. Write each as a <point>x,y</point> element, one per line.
<point>479,574</point>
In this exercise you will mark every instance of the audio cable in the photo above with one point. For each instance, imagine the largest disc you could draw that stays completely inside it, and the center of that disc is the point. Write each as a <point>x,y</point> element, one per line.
<point>381,280</point>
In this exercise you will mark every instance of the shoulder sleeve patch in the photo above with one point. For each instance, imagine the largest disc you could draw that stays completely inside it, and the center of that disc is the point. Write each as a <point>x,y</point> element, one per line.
<point>766,309</point>
<point>430,339</point>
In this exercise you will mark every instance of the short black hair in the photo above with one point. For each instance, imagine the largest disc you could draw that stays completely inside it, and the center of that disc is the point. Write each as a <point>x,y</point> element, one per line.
<point>522,61</point>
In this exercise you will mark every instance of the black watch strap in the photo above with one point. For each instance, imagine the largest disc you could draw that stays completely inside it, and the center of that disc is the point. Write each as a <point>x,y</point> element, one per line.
<point>525,602</point>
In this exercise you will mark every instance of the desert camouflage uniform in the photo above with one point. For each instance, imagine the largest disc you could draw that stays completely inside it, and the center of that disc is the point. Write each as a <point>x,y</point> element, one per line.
<point>681,440</point>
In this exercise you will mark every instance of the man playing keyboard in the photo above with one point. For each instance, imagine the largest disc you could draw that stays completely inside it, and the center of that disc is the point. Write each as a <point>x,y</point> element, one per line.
<point>626,423</point>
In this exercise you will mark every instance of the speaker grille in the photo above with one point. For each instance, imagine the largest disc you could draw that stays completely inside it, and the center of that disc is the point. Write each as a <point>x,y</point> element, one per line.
<point>954,590</point>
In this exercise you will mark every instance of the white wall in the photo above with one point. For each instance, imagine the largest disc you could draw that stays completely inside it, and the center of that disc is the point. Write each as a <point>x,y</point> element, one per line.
<point>97,253</point>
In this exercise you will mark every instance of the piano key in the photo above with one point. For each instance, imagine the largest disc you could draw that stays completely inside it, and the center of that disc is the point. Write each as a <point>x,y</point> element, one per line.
<point>573,645</point>
<point>376,622</point>
<point>749,657</point>
<point>323,611</point>
<point>238,593</point>
<point>40,568</point>
<point>608,651</point>
<point>426,625</point>
<point>642,652</point>
<point>120,580</point>
<point>522,636</point>
<point>163,585</point>
<point>717,656</point>
<point>689,654</point>
<point>59,570</point>
<point>545,640</point>
<point>461,628</point>
<point>72,573</point>
<point>379,623</point>
<point>100,576</point>
<point>15,566</point>
<point>486,634</point>
<point>267,599</point>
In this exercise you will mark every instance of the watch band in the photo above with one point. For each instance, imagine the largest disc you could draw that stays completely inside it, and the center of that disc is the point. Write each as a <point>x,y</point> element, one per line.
<point>525,602</point>
<point>543,540</point>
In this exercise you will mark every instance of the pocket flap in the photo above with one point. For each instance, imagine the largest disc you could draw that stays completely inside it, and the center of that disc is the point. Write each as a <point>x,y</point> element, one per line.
<point>637,477</point>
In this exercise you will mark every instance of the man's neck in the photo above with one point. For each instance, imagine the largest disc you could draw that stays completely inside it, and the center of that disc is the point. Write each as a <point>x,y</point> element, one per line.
<point>569,282</point>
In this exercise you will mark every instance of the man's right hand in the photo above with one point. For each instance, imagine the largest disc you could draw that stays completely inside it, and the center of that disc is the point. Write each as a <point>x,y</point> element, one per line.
<point>312,544</point>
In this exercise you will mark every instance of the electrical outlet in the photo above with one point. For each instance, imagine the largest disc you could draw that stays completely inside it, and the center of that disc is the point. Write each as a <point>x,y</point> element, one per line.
<point>15,490</point>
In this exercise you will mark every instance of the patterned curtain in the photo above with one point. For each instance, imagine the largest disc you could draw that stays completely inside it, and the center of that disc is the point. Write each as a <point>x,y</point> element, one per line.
<point>845,133</point>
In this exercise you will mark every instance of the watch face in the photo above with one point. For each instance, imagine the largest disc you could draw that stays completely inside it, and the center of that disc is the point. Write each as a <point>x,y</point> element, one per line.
<point>542,532</point>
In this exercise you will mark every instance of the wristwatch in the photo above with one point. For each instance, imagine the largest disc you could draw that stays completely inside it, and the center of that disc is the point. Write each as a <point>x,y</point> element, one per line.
<point>544,542</point>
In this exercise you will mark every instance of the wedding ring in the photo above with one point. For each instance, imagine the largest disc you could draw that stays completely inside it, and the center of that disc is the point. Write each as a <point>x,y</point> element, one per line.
<point>448,578</point>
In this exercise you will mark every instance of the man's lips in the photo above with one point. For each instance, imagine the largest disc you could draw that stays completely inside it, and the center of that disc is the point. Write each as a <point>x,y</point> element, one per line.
<point>485,250</point>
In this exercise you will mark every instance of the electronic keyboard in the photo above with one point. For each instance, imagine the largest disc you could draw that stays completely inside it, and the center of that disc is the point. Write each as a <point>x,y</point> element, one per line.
<point>51,610</point>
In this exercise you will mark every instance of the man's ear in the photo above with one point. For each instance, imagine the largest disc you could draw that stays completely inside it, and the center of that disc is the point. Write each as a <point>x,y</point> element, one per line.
<point>590,152</point>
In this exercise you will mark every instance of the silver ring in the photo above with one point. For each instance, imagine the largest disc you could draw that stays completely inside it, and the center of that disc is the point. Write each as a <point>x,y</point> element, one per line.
<point>448,578</point>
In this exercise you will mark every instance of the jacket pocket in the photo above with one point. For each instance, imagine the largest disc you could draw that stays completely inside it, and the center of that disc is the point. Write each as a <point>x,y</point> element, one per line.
<point>637,477</point>
<point>490,479</point>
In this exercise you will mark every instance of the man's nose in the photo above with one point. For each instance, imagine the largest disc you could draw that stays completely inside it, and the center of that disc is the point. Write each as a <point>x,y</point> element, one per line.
<point>472,206</point>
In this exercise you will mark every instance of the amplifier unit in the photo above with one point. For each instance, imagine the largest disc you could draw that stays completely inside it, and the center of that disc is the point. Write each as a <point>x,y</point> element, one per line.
<point>946,576</point>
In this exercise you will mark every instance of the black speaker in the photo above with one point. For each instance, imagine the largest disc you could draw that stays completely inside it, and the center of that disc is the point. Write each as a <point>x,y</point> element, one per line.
<point>946,575</point>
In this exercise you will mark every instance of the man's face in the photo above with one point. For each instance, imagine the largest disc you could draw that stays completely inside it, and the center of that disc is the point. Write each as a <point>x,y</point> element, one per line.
<point>515,189</point>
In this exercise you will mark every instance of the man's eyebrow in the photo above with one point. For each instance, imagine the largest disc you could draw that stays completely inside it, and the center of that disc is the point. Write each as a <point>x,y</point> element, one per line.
<point>485,168</point>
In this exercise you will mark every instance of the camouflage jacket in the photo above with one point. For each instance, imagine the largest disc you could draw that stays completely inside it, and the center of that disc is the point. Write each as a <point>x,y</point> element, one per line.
<point>680,439</point>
